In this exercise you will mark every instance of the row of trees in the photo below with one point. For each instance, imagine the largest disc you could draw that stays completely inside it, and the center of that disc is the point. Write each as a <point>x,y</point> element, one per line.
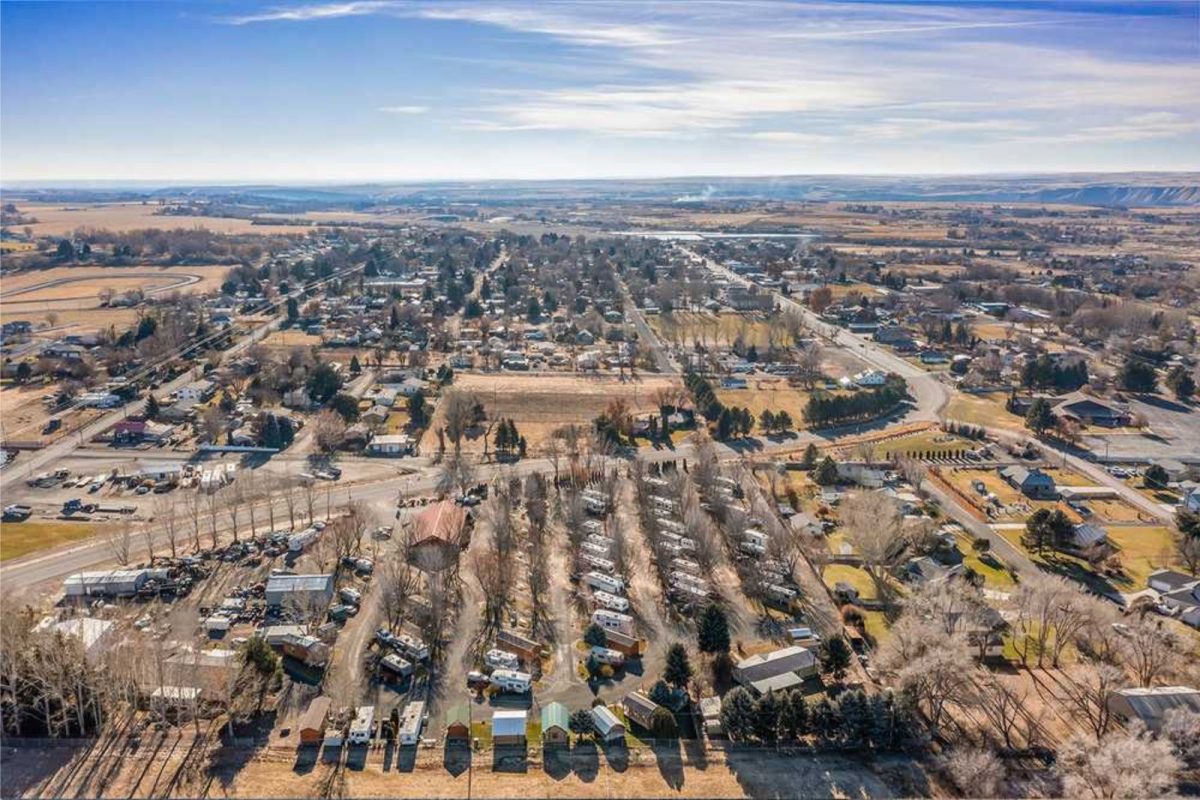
<point>851,721</point>
<point>831,409</point>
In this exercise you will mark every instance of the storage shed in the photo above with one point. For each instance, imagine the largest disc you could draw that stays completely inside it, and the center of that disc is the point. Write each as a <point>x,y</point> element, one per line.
<point>608,725</point>
<point>508,727</point>
<point>312,724</point>
<point>555,724</point>
<point>458,723</point>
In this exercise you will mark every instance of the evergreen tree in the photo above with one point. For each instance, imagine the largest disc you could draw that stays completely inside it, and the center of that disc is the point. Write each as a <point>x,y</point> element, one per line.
<point>678,669</point>
<point>660,693</point>
<point>1040,416</point>
<point>594,636</point>
<point>152,407</point>
<point>355,366</point>
<point>793,716</point>
<point>737,714</point>
<point>1180,381</point>
<point>293,310</point>
<point>836,657</point>
<point>418,411</point>
<point>855,722</point>
<point>766,717</point>
<point>824,721</point>
<point>1137,375</point>
<point>663,724</point>
<point>1156,477</point>
<point>767,420</point>
<point>811,454</point>
<point>581,722</point>
<point>826,473</point>
<point>712,630</point>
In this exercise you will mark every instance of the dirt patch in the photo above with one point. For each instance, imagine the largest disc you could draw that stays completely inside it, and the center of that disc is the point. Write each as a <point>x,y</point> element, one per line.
<point>539,404</point>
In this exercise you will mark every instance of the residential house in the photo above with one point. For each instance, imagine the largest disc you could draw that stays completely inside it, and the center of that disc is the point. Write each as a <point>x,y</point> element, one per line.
<point>1032,482</point>
<point>1179,593</point>
<point>1150,706</point>
<point>778,670</point>
<point>1087,540</point>
<point>390,445</point>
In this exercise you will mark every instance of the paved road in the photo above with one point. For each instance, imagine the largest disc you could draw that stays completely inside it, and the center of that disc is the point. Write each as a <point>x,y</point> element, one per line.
<point>662,359</point>
<point>930,394</point>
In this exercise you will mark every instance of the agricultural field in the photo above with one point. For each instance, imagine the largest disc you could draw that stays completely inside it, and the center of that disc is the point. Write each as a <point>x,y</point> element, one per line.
<point>540,404</point>
<point>55,219</point>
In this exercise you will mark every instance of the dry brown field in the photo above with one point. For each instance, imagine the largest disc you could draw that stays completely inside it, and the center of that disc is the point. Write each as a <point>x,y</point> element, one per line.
<point>540,404</point>
<point>79,287</point>
<point>56,219</point>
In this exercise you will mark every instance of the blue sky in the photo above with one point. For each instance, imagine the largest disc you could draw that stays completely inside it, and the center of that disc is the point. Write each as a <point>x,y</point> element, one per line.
<point>365,90</point>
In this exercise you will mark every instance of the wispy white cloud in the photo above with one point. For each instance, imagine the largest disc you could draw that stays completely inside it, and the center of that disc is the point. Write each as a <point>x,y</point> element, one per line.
<point>307,13</point>
<point>403,109</point>
<point>814,73</point>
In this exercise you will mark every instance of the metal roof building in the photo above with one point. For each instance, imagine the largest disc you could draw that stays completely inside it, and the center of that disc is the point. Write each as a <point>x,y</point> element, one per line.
<point>301,589</point>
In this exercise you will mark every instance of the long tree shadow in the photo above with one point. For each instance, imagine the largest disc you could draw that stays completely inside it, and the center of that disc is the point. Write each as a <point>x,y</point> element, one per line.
<point>670,762</point>
<point>585,761</point>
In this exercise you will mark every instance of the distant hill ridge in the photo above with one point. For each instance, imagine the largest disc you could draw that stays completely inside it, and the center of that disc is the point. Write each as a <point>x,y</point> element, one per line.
<point>1095,189</point>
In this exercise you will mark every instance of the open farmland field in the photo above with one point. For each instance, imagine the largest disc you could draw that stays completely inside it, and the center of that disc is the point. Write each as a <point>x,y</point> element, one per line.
<point>539,404</point>
<point>55,219</point>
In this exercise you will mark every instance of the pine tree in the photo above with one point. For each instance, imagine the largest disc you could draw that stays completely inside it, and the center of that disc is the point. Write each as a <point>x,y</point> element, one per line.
<point>766,717</point>
<point>767,420</point>
<point>152,407</point>
<point>595,636</point>
<point>855,719</point>
<point>660,693</point>
<point>712,631</point>
<point>811,454</point>
<point>825,721</point>
<point>793,716</point>
<point>678,669</point>
<point>737,714</point>
<point>835,657</point>
<point>826,473</point>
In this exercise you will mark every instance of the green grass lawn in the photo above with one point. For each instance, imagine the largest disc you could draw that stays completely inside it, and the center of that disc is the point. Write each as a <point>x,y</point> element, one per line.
<point>876,625</point>
<point>22,538</point>
<point>855,576</point>
<point>1141,550</point>
<point>993,577</point>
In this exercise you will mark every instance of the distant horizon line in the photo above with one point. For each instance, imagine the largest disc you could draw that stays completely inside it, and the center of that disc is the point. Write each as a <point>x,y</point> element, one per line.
<point>164,183</point>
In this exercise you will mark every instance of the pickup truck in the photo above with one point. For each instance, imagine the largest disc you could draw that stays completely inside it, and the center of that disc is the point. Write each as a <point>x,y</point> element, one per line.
<point>17,513</point>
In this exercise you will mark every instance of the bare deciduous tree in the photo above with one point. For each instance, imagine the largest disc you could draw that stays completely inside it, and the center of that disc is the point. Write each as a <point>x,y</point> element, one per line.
<point>1121,765</point>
